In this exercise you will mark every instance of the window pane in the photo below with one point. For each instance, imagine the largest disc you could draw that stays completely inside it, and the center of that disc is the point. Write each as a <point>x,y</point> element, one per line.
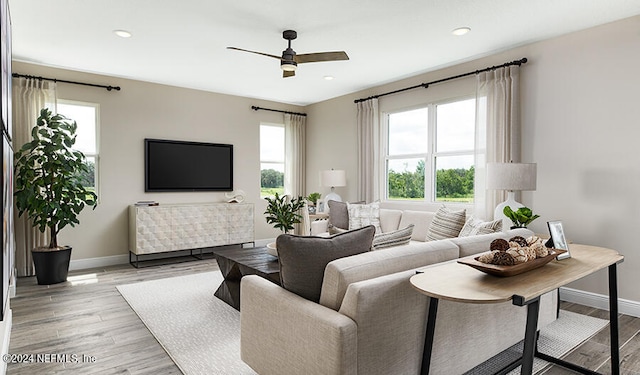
<point>454,179</point>
<point>456,126</point>
<point>271,160</point>
<point>88,179</point>
<point>85,117</point>
<point>272,143</point>
<point>405,179</point>
<point>271,179</point>
<point>408,132</point>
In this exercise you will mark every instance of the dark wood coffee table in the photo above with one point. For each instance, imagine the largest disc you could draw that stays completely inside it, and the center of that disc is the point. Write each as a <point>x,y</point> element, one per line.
<point>235,263</point>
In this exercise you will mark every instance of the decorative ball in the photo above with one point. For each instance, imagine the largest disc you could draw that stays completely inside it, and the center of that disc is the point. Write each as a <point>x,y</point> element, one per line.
<point>499,244</point>
<point>520,240</point>
<point>503,258</point>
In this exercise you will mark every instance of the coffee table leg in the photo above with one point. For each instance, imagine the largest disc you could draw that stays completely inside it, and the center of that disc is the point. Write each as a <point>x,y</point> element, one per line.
<point>429,334</point>
<point>613,319</point>
<point>529,350</point>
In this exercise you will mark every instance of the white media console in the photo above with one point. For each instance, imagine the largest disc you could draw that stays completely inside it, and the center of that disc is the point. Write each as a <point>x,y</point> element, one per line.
<point>173,227</point>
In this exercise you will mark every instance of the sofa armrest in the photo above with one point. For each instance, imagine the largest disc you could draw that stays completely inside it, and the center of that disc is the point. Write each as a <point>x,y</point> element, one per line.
<point>319,227</point>
<point>283,333</point>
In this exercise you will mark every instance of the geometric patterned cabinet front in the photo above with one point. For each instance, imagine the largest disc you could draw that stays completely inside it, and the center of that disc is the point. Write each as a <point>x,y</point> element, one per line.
<point>157,229</point>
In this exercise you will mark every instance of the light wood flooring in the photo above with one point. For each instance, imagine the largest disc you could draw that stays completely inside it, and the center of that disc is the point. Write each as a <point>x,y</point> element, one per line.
<point>87,317</point>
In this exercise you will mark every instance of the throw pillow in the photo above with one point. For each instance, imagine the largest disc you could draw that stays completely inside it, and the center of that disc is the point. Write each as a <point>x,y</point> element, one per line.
<point>338,214</point>
<point>303,259</point>
<point>475,226</point>
<point>361,215</point>
<point>395,238</point>
<point>446,224</point>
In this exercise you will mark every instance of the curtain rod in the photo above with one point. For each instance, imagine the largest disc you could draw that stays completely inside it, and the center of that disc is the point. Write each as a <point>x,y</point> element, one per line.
<point>425,85</point>
<point>109,88</point>
<point>277,110</point>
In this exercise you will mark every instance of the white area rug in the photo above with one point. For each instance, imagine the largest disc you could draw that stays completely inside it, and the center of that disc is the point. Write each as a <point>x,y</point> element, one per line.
<point>202,334</point>
<point>198,331</point>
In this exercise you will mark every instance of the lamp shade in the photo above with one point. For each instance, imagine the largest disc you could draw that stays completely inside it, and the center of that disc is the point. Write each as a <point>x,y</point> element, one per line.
<point>511,176</point>
<point>333,178</point>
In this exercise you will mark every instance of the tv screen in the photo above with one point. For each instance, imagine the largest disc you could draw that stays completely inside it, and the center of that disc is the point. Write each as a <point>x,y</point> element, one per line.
<point>187,166</point>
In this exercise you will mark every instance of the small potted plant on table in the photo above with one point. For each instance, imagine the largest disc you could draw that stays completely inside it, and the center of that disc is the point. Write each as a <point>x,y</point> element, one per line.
<point>520,218</point>
<point>48,189</point>
<point>313,198</point>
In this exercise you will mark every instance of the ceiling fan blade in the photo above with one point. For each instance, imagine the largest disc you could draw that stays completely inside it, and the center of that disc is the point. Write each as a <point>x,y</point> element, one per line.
<point>257,53</point>
<point>321,56</point>
<point>288,73</point>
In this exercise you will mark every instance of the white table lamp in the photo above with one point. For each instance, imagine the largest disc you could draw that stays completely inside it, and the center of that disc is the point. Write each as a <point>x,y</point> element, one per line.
<point>332,178</point>
<point>511,177</point>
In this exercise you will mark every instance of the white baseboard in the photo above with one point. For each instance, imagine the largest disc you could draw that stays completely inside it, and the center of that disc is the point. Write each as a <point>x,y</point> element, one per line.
<point>5,331</point>
<point>599,301</point>
<point>82,264</point>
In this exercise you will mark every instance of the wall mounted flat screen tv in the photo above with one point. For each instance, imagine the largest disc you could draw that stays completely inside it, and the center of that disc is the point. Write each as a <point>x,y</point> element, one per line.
<point>187,166</point>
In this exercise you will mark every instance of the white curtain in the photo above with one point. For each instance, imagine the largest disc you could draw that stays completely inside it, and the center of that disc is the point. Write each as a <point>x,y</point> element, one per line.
<point>497,131</point>
<point>294,162</point>
<point>369,138</point>
<point>29,97</point>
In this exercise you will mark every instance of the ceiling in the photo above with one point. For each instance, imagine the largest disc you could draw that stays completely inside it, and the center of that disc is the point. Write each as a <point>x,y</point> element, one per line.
<point>183,43</point>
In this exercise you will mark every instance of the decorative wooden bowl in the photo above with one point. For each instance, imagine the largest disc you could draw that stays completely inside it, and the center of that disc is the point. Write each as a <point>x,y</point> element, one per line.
<point>506,271</point>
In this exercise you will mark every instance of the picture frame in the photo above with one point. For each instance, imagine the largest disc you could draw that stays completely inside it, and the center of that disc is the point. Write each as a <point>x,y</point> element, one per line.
<point>558,239</point>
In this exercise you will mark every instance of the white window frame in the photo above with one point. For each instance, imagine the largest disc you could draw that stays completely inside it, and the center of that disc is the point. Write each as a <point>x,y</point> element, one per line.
<point>275,125</point>
<point>95,155</point>
<point>429,157</point>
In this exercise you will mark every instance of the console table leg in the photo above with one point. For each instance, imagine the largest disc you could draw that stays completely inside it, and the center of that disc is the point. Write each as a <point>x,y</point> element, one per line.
<point>613,319</point>
<point>429,334</point>
<point>529,350</point>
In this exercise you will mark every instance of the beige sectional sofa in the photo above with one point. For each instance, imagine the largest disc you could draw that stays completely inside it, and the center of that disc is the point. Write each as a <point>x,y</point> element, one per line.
<point>369,319</point>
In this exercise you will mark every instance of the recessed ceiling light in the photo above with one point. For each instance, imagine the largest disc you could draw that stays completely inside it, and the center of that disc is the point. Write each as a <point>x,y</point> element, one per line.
<point>122,33</point>
<point>461,31</point>
<point>328,78</point>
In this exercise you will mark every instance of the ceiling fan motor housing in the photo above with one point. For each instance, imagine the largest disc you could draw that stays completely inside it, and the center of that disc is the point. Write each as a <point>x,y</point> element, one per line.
<point>288,61</point>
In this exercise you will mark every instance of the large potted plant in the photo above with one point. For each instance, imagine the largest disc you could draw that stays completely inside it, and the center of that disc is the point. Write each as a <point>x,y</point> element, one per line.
<point>48,189</point>
<point>283,213</point>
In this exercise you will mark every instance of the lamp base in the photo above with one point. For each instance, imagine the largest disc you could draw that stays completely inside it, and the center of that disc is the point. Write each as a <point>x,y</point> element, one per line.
<point>330,197</point>
<point>499,214</point>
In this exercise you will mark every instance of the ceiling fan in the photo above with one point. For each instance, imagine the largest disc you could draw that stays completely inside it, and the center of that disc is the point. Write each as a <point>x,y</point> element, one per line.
<point>290,60</point>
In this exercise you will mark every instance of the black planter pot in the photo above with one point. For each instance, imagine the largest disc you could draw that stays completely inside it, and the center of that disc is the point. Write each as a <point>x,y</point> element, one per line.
<point>52,267</point>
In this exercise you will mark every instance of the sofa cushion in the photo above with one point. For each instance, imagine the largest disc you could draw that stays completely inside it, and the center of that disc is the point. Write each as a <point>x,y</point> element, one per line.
<point>421,221</point>
<point>361,215</point>
<point>303,258</point>
<point>342,272</point>
<point>393,238</point>
<point>390,220</point>
<point>477,244</point>
<point>475,226</point>
<point>446,224</point>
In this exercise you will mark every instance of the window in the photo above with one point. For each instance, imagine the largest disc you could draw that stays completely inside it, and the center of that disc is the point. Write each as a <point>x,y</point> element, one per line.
<point>271,159</point>
<point>430,153</point>
<point>86,117</point>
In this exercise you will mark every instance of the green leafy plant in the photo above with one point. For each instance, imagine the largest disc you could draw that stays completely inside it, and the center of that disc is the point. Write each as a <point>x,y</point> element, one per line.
<point>520,218</point>
<point>48,176</point>
<point>313,197</point>
<point>282,212</point>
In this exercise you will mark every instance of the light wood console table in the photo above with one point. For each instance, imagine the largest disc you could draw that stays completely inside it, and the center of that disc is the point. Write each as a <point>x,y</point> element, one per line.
<point>457,282</point>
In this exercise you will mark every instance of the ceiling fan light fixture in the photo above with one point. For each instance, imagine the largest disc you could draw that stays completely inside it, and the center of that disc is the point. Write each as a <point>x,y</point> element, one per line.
<point>289,66</point>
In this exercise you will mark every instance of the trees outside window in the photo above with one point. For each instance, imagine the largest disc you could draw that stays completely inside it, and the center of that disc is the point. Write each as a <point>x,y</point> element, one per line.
<point>430,153</point>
